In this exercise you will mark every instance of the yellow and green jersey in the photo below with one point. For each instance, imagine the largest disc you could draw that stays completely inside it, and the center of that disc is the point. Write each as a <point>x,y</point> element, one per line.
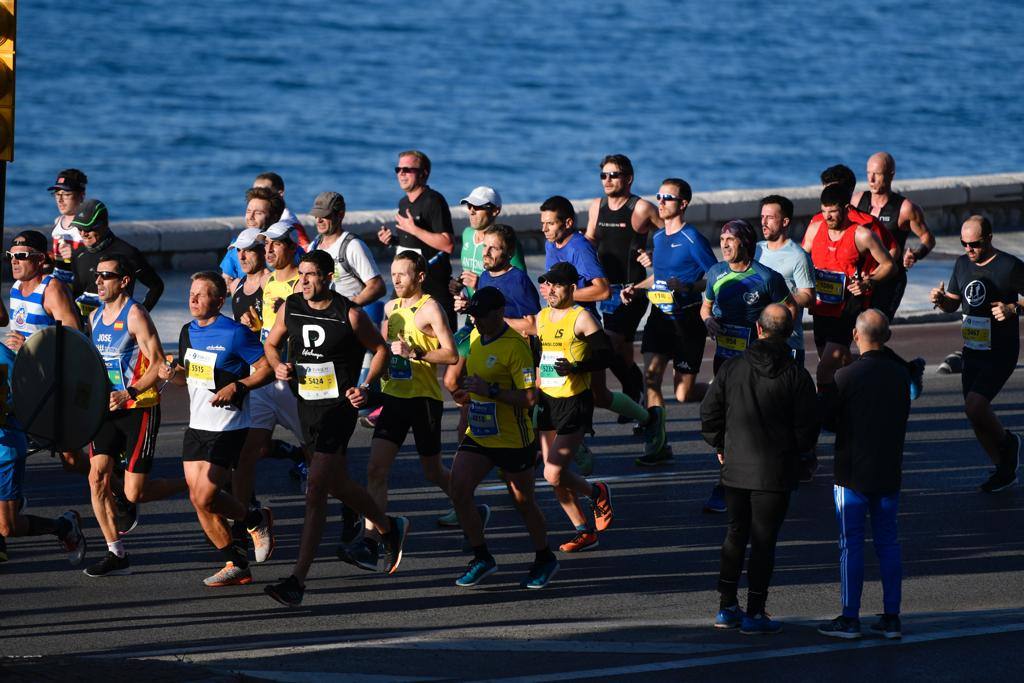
<point>508,362</point>
<point>558,340</point>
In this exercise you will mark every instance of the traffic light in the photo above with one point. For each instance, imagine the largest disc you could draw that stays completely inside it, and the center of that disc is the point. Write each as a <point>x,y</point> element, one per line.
<point>8,25</point>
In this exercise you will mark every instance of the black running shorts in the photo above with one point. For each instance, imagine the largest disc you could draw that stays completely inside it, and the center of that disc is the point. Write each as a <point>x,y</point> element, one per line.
<point>566,415</point>
<point>985,372</point>
<point>129,435</point>
<point>681,339</point>
<point>508,459</point>
<point>419,413</point>
<point>327,428</point>
<point>626,318</point>
<point>217,448</point>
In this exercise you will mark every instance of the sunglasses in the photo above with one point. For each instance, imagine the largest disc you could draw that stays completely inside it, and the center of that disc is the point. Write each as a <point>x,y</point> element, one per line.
<point>406,169</point>
<point>977,244</point>
<point>21,255</point>
<point>473,209</point>
<point>612,175</point>
<point>666,197</point>
<point>108,275</point>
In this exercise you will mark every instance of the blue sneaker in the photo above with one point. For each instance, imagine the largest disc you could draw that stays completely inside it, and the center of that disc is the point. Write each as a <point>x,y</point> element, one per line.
<point>847,628</point>
<point>759,626</point>
<point>916,368</point>
<point>716,501</point>
<point>540,574</point>
<point>477,571</point>
<point>729,617</point>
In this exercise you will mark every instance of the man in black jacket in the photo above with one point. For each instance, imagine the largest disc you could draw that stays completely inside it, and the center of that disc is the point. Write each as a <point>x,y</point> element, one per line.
<point>867,408</point>
<point>759,414</point>
<point>98,243</point>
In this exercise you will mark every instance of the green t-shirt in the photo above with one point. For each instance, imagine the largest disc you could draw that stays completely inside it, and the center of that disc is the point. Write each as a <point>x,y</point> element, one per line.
<point>473,255</point>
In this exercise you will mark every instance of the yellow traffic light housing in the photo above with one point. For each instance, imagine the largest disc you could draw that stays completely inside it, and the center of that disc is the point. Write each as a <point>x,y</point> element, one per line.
<point>8,29</point>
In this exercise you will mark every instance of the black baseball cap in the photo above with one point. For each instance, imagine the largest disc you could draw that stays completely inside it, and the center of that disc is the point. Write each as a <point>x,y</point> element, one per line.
<point>485,300</point>
<point>92,215</point>
<point>33,239</point>
<point>69,180</point>
<point>562,273</point>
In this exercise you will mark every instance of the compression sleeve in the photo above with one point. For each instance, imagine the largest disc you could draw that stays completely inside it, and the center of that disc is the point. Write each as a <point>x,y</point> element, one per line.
<point>600,353</point>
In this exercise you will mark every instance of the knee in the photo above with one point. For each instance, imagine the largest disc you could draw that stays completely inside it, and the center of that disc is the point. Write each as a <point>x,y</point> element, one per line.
<point>202,497</point>
<point>461,491</point>
<point>433,471</point>
<point>976,407</point>
<point>316,490</point>
<point>6,526</point>
<point>652,378</point>
<point>377,472</point>
<point>553,475</point>
<point>132,493</point>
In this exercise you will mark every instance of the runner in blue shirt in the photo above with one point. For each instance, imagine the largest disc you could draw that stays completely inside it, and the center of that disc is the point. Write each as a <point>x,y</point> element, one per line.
<point>674,329</point>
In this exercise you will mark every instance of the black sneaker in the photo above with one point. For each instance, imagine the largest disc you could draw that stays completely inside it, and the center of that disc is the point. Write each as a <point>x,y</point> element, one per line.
<point>351,530</point>
<point>111,565</point>
<point>126,515</point>
<point>363,554</point>
<point>1012,457</point>
<point>3,549</point>
<point>395,540</point>
<point>662,457</point>
<point>953,364</point>
<point>288,592</point>
<point>846,628</point>
<point>889,626</point>
<point>1001,479</point>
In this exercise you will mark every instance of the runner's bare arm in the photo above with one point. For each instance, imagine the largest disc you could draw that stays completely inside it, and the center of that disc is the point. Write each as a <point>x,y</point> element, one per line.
<point>646,218</point>
<point>597,290</point>
<point>434,319</point>
<point>275,338</point>
<point>911,213</point>
<point>141,326</point>
<point>372,341</point>
<point>57,302</point>
<point>591,232</point>
<point>868,241</point>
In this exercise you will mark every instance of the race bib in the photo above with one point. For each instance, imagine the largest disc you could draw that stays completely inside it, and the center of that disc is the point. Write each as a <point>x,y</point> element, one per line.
<point>732,341</point>
<point>399,368</point>
<point>548,377</point>
<point>611,304</point>
<point>663,299</point>
<point>977,332</point>
<point>830,286</point>
<point>114,373</point>
<point>317,381</point>
<point>200,369</point>
<point>483,418</point>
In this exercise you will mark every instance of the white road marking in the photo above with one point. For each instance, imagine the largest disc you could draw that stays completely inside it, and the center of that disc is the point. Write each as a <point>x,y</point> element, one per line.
<point>326,677</point>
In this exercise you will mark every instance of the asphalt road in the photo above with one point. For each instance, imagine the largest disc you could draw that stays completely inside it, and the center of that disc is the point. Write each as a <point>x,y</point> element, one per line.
<point>640,605</point>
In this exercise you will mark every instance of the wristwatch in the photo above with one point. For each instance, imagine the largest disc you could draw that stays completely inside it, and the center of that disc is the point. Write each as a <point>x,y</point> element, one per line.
<point>132,392</point>
<point>492,390</point>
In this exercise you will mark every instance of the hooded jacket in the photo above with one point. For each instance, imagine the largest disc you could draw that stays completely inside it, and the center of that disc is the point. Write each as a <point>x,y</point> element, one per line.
<point>761,413</point>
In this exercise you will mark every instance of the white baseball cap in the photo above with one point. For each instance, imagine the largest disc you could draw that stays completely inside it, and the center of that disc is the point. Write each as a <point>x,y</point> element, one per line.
<point>246,239</point>
<point>277,231</point>
<point>483,195</point>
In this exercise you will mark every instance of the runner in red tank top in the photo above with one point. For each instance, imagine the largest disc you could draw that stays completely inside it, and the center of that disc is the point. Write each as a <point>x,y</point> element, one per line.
<point>842,287</point>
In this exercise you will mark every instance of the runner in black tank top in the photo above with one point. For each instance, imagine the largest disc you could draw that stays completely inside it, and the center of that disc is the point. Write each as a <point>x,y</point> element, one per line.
<point>620,236</point>
<point>242,302</point>
<point>328,336</point>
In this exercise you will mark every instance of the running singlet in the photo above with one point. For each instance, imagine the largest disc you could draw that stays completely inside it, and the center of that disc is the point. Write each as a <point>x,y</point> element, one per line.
<point>739,297</point>
<point>835,262</point>
<point>242,302</point>
<point>889,216</point>
<point>121,356</point>
<point>508,362</point>
<point>273,290</point>
<point>27,312</point>
<point>558,340</point>
<point>472,255</point>
<point>578,251</point>
<point>1000,280</point>
<point>63,270</point>
<point>327,354</point>
<point>685,255</point>
<point>407,377</point>
<point>214,356</point>
<point>618,243</point>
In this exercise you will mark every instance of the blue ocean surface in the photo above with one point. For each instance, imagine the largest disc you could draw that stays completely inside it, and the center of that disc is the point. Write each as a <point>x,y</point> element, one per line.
<point>171,108</point>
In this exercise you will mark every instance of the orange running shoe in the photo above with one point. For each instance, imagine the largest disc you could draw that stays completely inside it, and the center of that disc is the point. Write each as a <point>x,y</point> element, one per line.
<point>582,541</point>
<point>230,575</point>
<point>602,506</point>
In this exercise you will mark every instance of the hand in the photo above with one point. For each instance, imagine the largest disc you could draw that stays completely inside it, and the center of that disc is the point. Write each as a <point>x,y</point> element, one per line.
<point>64,249</point>
<point>909,259</point>
<point>404,222</point>
<point>938,294</point>
<point>251,319</point>
<point>460,303</point>
<point>277,304</point>
<point>474,385</point>
<point>563,367</point>
<point>469,279</point>
<point>627,294</point>
<point>454,286</point>
<point>644,259</point>
<point>1001,311</point>
<point>721,458</point>
<point>284,371</point>
<point>167,371</point>
<point>14,341</point>
<point>118,399</point>
<point>714,327</point>
<point>400,347</point>
<point>225,396</point>
<point>858,286</point>
<point>357,396</point>
<point>461,397</point>
<point>384,236</point>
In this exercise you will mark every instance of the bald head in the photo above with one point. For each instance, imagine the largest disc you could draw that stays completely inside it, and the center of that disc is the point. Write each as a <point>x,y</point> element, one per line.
<point>872,330</point>
<point>883,162</point>
<point>775,322</point>
<point>977,227</point>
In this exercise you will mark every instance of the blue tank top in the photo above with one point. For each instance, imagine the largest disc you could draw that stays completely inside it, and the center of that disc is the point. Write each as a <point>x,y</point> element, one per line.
<point>120,353</point>
<point>27,312</point>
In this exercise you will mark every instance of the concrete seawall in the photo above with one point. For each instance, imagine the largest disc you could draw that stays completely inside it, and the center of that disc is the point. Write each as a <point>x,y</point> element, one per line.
<point>199,243</point>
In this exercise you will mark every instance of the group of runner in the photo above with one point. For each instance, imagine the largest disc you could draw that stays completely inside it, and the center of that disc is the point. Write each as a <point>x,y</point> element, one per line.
<point>309,343</point>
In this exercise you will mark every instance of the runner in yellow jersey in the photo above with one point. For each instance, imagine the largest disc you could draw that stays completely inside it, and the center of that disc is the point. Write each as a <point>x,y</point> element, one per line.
<point>572,345</point>
<point>499,390</point>
<point>417,329</point>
